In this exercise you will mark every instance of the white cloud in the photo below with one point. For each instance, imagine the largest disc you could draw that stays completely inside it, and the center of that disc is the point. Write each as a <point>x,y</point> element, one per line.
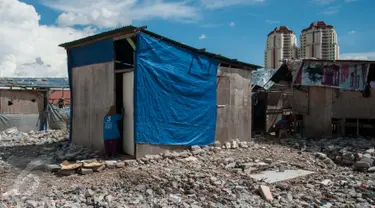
<point>28,48</point>
<point>232,24</point>
<point>358,56</point>
<point>114,13</point>
<point>203,36</point>
<point>331,10</point>
<point>215,4</point>
<point>352,32</point>
<point>272,21</point>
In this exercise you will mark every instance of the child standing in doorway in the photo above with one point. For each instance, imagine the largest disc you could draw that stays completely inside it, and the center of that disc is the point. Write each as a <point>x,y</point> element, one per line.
<point>111,131</point>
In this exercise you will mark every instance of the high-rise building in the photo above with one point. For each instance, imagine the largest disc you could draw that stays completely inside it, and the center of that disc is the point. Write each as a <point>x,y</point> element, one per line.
<point>281,44</point>
<point>319,41</point>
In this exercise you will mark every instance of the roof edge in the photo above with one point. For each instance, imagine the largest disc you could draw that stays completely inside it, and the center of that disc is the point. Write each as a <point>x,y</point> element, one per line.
<point>132,29</point>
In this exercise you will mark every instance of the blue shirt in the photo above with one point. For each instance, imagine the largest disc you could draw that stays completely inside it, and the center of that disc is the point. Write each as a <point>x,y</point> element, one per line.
<point>281,122</point>
<point>111,128</point>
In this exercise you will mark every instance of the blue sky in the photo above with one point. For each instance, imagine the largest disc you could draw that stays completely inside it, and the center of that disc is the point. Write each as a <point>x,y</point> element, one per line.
<point>234,28</point>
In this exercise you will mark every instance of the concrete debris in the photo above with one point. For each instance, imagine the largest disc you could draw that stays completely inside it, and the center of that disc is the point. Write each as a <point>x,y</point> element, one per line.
<point>326,182</point>
<point>265,192</point>
<point>288,175</point>
<point>86,171</point>
<point>120,165</point>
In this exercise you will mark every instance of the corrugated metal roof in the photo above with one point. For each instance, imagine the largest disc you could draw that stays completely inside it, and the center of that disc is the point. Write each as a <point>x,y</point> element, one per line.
<point>34,82</point>
<point>261,77</point>
<point>130,29</point>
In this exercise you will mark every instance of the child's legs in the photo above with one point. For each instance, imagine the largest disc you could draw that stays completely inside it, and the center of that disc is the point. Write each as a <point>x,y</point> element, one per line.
<point>107,146</point>
<point>114,146</point>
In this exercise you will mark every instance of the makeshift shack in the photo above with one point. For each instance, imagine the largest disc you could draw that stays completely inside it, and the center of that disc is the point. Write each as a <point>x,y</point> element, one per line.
<point>270,100</point>
<point>24,103</point>
<point>171,95</point>
<point>333,97</point>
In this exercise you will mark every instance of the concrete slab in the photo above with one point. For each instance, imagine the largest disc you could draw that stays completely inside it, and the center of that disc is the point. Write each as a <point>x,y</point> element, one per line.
<point>276,176</point>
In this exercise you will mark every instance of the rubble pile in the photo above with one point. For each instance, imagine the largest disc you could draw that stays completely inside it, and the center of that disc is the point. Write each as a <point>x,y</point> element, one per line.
<point>210,176</point>
<point>358,153</point>
<point>13,137</point>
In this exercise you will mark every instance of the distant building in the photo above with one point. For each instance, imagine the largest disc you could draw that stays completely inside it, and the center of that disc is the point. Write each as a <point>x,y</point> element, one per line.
<point>319,40</point>
<point>281,44</point>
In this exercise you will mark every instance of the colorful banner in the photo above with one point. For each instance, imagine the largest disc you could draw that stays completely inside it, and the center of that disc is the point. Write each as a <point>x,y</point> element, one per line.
<point>347,76</point>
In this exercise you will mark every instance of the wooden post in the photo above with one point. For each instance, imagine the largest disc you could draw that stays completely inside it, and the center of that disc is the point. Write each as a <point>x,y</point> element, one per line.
<point>342,127</point>
<point>357,127</point>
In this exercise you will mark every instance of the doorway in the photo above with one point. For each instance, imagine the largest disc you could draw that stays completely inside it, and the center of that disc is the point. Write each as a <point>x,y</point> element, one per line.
<point>124,74</point>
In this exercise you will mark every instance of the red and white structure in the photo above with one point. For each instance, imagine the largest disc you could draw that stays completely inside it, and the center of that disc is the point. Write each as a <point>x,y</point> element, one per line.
<point>319,41</point>
<point>281,44</point>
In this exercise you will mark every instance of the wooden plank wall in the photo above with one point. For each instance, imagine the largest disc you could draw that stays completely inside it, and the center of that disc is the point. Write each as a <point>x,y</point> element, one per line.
<point>22,102</point>
<point>350,104</point>
<point>93,94</point>
<point>234,93</point>
<point>318,121</point>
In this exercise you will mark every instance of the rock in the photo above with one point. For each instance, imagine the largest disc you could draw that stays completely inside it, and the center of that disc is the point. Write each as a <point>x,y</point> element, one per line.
<point>281,168</point>
<point>262,166</point>
<point>234,144</point>
<point>265,192</point>
<point>174,198</point>
<point>371,151</point>
<point>86,171</point>
<point>268,160</point>
<point>358,156</point>
<point>198,152</point>
<point>191,159</point>
<point>227,145</point>
<point>347,162</point>
<point>230,165</point>
<point>120,165</point>
<point>367,155</point>
<point>53,167</point>
<point>89,193</point>
<point>195,147</point>
<point>109,199</point>
<point>110,164</point>
<point>99,169</point>
<point>244,145</point>
<point>184,154</point>
<point>320,155</point>
<point>32,203</point>
<point>217,144</point>
<point>326,182</point>
<point>131,162</point>
<point>149,192</point>
<point>372,169</point>
<point>282,186</point>
<point>364,163</point>
<point>66,172</point>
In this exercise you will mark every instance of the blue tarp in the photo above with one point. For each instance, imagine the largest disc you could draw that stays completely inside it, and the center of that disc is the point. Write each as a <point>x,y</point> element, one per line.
<point>175,94</point>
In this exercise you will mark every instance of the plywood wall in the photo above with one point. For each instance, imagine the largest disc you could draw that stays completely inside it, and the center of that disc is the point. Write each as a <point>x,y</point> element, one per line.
<point>318,120</point>
<point>24,102</point>
<point>349,104</point>
<point>93,94</point>
<point>234,100</point>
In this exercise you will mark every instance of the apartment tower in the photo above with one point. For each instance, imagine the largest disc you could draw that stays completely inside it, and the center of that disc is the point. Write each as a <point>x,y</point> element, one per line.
<point>281,44</point>
<point>319,41</point>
